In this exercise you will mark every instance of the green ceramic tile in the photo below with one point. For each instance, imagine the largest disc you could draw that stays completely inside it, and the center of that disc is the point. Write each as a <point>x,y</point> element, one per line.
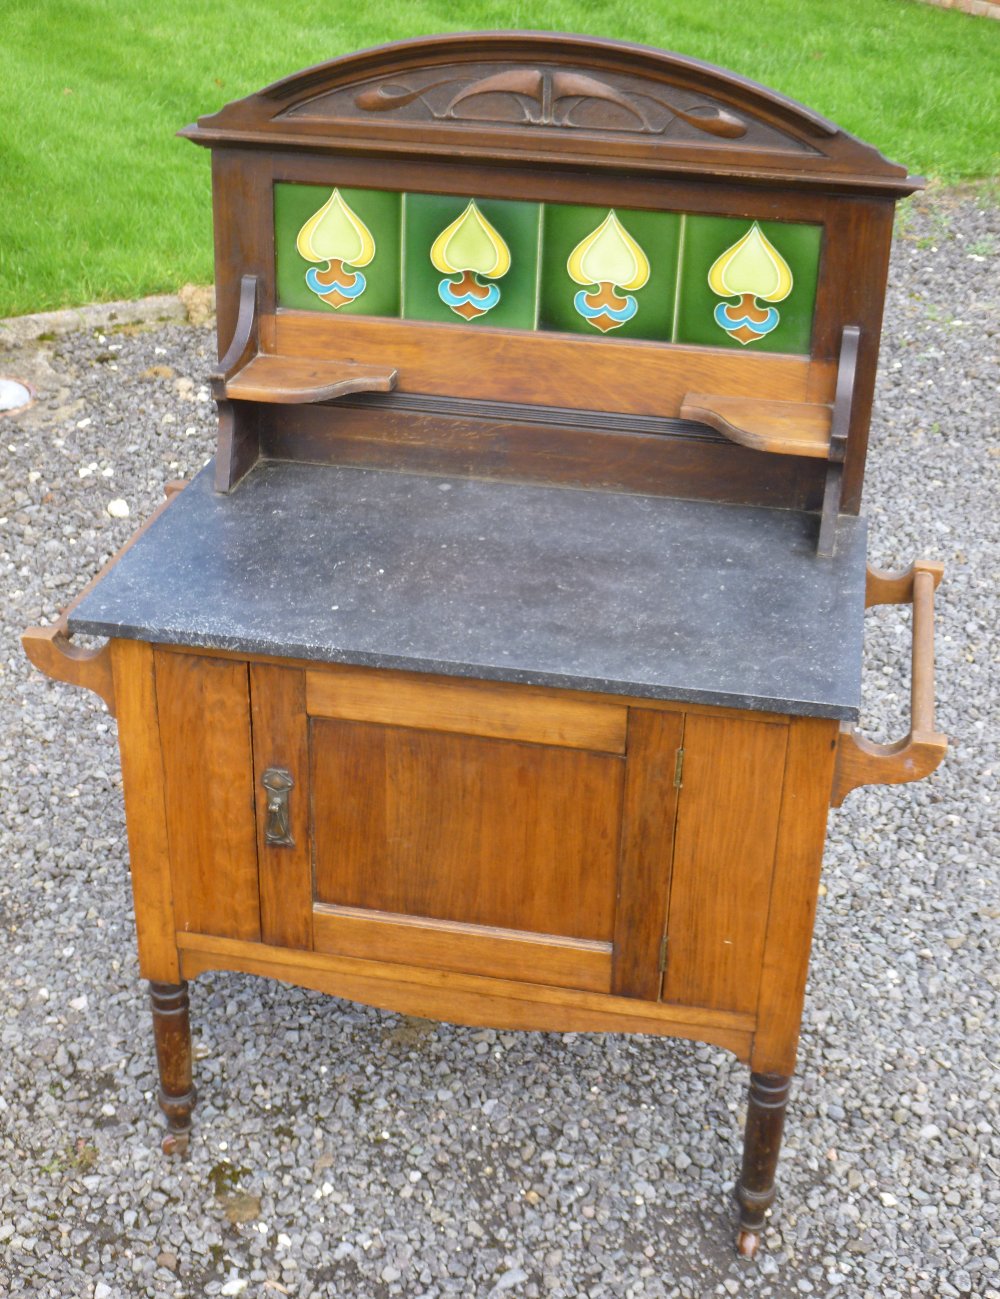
<point>657,235</point>
<point>426,216</point>
<point>380,213</point>
<point>705,240</point>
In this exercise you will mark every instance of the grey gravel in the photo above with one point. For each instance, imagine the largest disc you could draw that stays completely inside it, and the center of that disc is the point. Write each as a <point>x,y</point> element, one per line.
<point>395,1157</point>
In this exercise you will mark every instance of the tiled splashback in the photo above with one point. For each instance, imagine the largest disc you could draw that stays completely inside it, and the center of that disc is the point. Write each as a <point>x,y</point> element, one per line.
<point>665,276</point>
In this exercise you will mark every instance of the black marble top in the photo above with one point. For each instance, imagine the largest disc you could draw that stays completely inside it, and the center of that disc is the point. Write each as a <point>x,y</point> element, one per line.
<point>638,595</point>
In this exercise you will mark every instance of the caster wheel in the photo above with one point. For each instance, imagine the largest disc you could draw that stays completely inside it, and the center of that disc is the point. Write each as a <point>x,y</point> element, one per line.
<point>176,1143</point>
<point>747,1244</point>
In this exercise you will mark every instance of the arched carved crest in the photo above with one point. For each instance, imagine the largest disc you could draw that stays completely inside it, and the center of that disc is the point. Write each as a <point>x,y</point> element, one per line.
<point>555,100</point>
<point>542,96</point>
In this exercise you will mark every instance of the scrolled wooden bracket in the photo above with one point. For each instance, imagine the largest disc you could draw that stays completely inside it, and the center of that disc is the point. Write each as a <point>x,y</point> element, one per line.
<point>244,342</point>
<point>813,430</point>
<point>52,652</point>
<point>247,374</point>
<point>247,377</point>
<point>237,446</point>
<point>863,762</point>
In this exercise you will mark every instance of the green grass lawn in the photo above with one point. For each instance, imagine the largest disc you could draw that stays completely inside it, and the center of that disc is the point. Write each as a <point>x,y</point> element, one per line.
<point>100,201</point>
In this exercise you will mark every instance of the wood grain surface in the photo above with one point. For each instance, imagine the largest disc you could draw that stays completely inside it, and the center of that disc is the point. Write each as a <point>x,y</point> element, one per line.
<point>204,730</point>
<point>471,949</point>
<point>646,851</point>
<point>551,369</point>
<point>281,739</point>
<point>727,826</point>
<point>145,809</point>
<point>469,999</point>
<point>506,712</point>
<point>456,827</point>
<point>792,901</point>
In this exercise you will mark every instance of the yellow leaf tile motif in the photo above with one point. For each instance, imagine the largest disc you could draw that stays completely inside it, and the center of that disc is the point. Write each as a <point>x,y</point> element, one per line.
<point>751,269</point>
<point>470,247</point>
<point>336,235</point>
<point>610,260</point>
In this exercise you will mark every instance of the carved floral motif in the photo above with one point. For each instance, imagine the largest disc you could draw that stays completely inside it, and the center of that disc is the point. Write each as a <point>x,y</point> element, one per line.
<point>543,97</point>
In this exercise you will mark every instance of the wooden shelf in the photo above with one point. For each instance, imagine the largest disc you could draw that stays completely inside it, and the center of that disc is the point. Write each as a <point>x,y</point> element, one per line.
<point>292,381</point>
<point>788,428</point>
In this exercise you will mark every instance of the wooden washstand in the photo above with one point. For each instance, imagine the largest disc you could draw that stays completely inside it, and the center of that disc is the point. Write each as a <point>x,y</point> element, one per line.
<point>505,665</point>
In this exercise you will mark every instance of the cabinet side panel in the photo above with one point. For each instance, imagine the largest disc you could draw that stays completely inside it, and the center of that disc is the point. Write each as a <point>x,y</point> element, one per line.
<point>727,825</point>
<point>145,811</point>
<point>812,748</point>
<point>647,844</point>
<point>281,739</point>
<point>204,711</point>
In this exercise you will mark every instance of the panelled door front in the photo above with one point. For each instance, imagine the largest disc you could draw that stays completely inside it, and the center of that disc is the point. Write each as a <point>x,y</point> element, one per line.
<point>486,829</point>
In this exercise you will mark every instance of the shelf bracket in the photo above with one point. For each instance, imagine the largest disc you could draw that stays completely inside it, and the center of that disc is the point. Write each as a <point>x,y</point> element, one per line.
<point>247,377</point>
<point>840,426</point>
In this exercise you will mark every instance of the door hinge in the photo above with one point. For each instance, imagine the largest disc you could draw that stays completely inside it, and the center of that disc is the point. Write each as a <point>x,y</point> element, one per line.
<point>663,953</point>
<point>679,769</point>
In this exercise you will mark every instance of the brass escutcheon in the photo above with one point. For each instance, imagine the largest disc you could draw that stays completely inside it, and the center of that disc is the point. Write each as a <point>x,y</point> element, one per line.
<point>277,828</point>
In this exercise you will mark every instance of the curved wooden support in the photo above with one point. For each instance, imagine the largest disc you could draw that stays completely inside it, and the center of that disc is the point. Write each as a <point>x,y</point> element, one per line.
<point>246,373</point>
<point>863,762</point>
<point>50,650</point>
<point>813,430</point>
<point>475,1000</point>
<point>843,397</point>
<point>244,342</point>
<point>246,376</point>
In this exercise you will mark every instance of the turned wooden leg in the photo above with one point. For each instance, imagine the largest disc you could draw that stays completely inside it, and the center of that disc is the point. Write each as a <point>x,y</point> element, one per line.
<point>761,1143</point>
<point>172,1030</point>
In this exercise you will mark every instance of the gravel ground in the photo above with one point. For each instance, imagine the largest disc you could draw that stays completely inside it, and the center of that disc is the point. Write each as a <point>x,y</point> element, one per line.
<point>342,1151</point>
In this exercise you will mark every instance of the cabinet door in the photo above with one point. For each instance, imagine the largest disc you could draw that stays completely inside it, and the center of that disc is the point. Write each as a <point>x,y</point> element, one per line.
<point>485,829</point>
